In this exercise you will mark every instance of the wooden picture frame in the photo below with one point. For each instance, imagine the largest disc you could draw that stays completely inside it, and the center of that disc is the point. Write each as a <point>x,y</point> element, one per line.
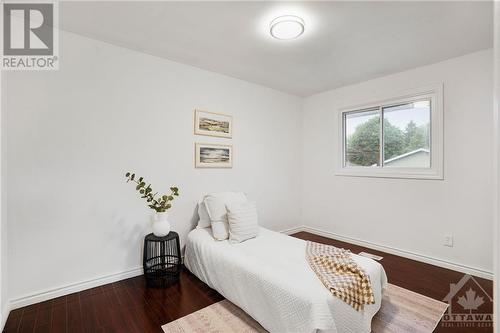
<point>210,155</point>
<point>213,124</point>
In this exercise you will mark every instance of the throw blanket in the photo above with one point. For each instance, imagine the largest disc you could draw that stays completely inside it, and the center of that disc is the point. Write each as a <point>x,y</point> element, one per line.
<point>340,274</point>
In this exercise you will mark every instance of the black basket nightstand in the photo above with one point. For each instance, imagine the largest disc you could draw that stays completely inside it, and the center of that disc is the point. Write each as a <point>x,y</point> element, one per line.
<point>162,260</point>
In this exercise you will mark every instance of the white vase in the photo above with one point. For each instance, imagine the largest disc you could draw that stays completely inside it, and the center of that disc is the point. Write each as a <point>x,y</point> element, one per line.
<point>161,226</point>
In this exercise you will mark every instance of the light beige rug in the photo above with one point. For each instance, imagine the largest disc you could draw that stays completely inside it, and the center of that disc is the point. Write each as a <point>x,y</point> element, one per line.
<point>402,311</point>
<point>406,311</point>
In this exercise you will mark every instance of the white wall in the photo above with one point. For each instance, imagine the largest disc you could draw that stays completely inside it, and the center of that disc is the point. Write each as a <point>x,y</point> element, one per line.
<point>411,215</point>
<point>496,149</point>
<point>4,304</point>
<point>72,134</point>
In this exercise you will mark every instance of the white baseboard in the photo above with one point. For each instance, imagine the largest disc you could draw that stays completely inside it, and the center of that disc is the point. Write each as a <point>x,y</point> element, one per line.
<point>72,288</point>
<point>294,230</point>
<point>5,315</point>
<point>399,252</point>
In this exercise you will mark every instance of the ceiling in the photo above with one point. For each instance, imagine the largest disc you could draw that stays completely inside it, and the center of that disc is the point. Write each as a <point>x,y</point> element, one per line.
<point>344,42</point>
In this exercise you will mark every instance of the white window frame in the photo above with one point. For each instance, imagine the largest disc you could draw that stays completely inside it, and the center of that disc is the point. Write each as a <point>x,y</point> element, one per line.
<point>435,94</point>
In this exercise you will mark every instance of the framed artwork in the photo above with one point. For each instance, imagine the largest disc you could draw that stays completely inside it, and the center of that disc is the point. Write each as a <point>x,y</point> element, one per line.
<point>213,124</point>
<point>209,155</point>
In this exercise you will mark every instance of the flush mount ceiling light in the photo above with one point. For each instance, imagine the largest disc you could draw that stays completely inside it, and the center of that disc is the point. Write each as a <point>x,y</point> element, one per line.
<point>287,27</point>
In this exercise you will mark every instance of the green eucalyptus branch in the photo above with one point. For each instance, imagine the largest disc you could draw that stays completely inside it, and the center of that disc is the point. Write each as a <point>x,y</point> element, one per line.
<point>159,204</point>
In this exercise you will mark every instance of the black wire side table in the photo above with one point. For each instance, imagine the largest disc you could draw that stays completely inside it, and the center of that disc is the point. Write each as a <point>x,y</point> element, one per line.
<point>162,260</point>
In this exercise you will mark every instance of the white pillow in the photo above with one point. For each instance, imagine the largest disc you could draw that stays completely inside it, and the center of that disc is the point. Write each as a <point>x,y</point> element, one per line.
<point>243,222</point>
<point>204,221</point>
<point>216,209</point>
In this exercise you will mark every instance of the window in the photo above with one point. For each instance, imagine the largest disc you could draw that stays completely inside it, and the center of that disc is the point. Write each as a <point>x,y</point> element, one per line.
<point>398,138</point>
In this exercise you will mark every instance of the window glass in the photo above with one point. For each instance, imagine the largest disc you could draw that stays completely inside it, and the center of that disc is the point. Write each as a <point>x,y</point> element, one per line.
<point>362,138</point>
<point>407,135</point>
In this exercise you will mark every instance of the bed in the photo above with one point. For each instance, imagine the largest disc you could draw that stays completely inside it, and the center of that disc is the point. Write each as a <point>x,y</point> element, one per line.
<point>269,278</point>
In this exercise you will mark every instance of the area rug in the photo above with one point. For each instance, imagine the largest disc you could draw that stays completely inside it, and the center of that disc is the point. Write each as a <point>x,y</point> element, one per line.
<point>402,311</point>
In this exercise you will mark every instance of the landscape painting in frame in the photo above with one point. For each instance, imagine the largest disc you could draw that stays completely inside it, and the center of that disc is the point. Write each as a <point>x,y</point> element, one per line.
<point>213,156</point>
<point>213,124</point>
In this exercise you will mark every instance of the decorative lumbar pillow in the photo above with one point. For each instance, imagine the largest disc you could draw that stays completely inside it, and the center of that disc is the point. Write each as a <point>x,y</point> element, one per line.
<point>243,222</point>
<point>204,221</point>
<point>215,204</point>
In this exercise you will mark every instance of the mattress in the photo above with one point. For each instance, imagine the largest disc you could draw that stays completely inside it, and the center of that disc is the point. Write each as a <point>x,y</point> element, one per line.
<point>269,278</point>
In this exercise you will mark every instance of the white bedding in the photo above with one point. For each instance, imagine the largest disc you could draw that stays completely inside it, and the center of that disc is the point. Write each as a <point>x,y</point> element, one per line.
<point>269,278</point>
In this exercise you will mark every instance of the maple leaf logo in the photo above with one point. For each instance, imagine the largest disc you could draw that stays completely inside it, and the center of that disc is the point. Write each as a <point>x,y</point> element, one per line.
<point>470,301</point>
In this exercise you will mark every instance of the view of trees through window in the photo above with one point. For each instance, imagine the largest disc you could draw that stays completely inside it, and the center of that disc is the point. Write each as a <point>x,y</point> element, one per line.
<point>405,139</point>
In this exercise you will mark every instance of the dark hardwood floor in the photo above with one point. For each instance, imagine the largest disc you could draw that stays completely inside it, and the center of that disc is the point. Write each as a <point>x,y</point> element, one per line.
<point>128,306</point>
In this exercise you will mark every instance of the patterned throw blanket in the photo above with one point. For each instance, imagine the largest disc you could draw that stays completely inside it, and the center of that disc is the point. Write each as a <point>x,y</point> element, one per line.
<point>340,274</point>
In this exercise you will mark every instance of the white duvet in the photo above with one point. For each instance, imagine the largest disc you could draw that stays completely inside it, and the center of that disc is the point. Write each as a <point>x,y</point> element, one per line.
<point>269,278</point>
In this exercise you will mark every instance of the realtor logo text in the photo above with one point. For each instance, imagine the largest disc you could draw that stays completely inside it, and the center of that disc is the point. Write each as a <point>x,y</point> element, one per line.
<point>30,39</point>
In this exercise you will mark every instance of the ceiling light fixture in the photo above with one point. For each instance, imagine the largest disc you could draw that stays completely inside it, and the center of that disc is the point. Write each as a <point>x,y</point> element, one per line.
<point>287,27</point>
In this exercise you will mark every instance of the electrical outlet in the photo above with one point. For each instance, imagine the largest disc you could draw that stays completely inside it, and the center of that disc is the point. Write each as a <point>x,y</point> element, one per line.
<point>448,240</point>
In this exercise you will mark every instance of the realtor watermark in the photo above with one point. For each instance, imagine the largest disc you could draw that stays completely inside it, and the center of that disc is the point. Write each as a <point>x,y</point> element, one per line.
<point>469,305</point>
<point>30,36</point>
